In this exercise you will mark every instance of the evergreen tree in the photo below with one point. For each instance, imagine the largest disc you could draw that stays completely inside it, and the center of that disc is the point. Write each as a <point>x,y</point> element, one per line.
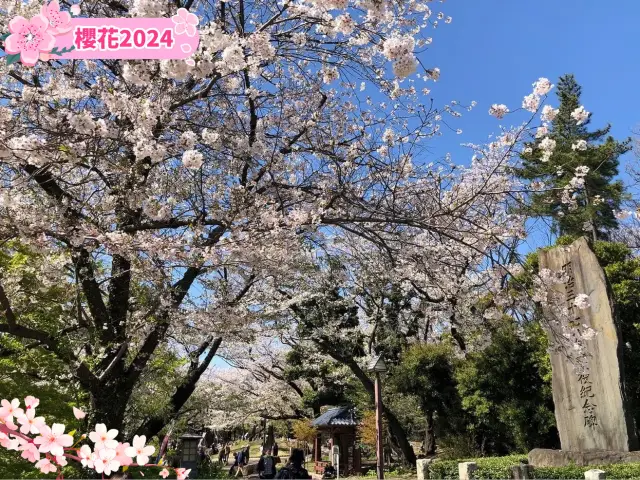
<point>592,210</point>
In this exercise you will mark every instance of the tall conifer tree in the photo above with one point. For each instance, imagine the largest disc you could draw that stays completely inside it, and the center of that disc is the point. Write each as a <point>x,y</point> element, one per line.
<point>592,210</point>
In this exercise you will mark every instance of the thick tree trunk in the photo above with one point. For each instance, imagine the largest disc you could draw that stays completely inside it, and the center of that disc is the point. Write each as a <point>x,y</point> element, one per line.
<point>429,436</point>
<point>108,406</point>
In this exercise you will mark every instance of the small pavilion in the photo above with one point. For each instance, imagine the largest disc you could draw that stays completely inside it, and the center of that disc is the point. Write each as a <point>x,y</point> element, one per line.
<point>337,426</point>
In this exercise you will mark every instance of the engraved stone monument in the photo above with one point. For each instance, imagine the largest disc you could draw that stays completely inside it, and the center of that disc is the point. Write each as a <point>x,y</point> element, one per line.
<point>590,407</point>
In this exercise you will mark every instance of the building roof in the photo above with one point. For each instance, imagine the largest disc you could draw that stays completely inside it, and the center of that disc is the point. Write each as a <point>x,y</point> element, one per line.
<point>339,416</point>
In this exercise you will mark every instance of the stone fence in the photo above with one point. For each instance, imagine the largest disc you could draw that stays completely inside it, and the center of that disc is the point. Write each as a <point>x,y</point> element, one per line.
<point>518,472</point>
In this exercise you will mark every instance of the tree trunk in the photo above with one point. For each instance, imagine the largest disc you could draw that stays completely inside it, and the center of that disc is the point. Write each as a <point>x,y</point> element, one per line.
<point>268,444</point>
<point>395,427</point>
<point>108,406</point>
<point>429,436</point>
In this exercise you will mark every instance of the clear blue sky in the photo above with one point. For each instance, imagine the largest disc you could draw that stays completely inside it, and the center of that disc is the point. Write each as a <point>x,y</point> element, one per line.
<point>495,49</point>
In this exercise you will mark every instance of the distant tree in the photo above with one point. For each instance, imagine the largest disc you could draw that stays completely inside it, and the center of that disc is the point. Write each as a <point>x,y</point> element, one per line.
<point>367,431</point>
<point>584,208</point>
<point>506,390</point>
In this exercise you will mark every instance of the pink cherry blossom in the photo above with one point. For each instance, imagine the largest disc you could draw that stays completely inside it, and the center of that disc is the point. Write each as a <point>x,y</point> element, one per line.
<point>185,22</point>
<point>31,402</point>
<point>10,443</point>
<point>121,455</point>
<point>85,456</point>
<point>53,440</point>
<point>164,473</point>
<point>30,452</point>
<point>75,9</point>
<point>10,425</point>
<point>106,462</point>
<point>4,440</point>
<point>10,409</point>
<point>61,460</point>
<point>79,414</point>
<point>59,22</point>
<point>103,438</point>
<point>46,466</point>
<point>29,38</point>
<point>182,473</point>
<point>30,423</point>
<point>139,450</point>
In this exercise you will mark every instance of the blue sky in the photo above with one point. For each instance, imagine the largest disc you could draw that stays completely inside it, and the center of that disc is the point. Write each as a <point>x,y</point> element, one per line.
<point>495,49</point>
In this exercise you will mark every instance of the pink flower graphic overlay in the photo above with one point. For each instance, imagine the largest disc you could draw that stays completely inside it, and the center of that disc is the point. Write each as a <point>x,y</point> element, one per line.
<point>185,22</point>
<point>59,22</point>
<point>29,38</point>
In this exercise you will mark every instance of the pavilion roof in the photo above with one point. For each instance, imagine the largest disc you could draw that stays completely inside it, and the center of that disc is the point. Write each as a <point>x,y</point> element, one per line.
<point>339,416</point>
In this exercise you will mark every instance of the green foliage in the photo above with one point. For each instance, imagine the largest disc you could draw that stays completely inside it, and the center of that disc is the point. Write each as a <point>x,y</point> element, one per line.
<point>506,392</point>
<point>426,371</point>
<point>211,470</point>
<point>488,468</point>
<point>622,470</point>
<point>500,468</point>
<point>601,195</point>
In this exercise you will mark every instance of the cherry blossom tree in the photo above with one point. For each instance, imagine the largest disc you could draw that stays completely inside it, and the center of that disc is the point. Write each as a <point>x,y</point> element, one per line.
<point>168,191</point>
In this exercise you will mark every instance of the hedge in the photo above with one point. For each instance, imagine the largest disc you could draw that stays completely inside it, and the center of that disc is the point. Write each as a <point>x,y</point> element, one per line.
<point>500,468</point>
<point>620,470</point>
<point>489,467</point>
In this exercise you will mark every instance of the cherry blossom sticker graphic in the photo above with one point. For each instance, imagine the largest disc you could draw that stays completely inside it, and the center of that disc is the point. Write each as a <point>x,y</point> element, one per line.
<point>55,33</point>
<point>185,22</point>
<point>59,22</point>
<point>28,38</point>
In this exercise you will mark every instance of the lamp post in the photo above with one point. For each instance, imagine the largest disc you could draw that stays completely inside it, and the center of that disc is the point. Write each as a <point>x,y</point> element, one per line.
<point>378,367</point>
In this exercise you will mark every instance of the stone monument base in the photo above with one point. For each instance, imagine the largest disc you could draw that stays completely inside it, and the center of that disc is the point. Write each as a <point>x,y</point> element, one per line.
<point>542,457</point>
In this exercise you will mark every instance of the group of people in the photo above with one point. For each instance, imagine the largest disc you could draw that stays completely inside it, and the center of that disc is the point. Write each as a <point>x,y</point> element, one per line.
<point>267,464</point>
<point>223,455</point>
<point>292,470</point>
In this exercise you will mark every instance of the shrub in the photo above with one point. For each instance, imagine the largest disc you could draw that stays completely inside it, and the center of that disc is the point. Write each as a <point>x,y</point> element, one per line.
<point>621,470</point>
<point>500,468</point>
<point>488,468</point>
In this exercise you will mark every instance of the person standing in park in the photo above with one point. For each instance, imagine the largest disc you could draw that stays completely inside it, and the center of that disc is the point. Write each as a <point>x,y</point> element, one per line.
<point>275,449</point>
<point>227,452</point>
<point>266,465</point>
<point>236,463</point>
<point>241,461</point>
<point>221,456</point>
<point>294,469</point>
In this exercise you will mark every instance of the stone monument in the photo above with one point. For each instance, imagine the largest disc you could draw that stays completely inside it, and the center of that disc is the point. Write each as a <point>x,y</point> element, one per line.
<point>590,408</point>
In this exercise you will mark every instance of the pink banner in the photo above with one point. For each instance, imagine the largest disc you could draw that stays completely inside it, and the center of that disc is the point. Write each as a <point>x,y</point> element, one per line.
<point>126,38</point>
<point>54,34</point>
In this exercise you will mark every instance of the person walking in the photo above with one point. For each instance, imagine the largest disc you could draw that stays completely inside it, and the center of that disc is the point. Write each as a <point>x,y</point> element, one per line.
<point>294,469</point>
<point>241,463</point>
<point>235,464</point>
<point>227,452</point>
<point>266,465</point>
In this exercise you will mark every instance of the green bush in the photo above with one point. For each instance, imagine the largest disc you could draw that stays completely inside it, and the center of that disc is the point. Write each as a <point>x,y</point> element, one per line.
<point>621,470</point>
<point>500,468</point>
<point>488,468</point>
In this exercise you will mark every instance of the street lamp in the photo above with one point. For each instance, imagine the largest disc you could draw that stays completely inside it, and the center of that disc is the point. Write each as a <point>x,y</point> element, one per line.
<point>378,367</point>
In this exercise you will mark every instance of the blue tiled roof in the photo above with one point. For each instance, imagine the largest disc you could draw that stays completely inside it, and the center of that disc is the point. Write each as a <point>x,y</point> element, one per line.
<point>340,416</point>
